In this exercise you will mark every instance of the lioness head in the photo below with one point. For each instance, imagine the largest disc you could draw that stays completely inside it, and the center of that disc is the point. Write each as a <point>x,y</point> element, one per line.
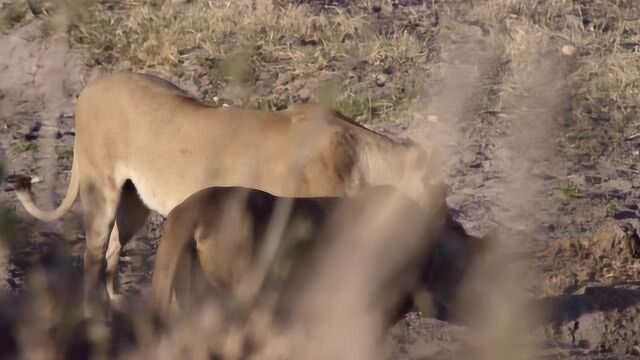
<point>416,169</point>
<point>451,258</point>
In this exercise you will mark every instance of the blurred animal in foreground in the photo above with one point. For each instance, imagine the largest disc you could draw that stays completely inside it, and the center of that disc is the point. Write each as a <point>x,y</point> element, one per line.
<point>221,231</point>
<point>141,142</point>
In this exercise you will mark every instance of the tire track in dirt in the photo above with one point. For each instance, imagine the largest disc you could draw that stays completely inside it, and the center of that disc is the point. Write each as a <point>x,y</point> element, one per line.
<point>31,98</point>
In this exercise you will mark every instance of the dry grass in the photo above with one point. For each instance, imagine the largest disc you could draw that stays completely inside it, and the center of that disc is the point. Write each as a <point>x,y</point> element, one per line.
<point>222,42</point>
<point>12,13</point>
<point>594,48</point>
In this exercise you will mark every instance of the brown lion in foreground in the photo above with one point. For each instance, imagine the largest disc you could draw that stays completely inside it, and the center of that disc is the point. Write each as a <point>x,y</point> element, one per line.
<point>222,230</point>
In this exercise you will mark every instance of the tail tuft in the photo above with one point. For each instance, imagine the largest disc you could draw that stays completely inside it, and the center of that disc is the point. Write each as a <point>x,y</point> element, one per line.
<point>23,183</point>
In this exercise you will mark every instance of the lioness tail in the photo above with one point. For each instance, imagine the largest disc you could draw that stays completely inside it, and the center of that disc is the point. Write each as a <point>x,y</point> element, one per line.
<point>23,191</point>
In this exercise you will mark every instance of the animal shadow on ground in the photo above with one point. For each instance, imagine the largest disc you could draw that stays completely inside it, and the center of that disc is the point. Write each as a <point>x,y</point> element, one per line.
<point>565,308</point>
<point>46,314</point>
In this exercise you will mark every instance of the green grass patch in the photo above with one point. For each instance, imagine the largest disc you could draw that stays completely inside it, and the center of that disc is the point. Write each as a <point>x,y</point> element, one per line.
<point>356,106</point>
<point>64,153</point>
<point>570,189</point>
<point>24,147</point>
<point>612,208</point>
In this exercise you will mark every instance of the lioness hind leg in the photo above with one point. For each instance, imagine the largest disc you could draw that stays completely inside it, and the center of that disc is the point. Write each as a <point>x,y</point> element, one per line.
<point>177,234</point>
<point>99,205</point>
<point>130,217</point>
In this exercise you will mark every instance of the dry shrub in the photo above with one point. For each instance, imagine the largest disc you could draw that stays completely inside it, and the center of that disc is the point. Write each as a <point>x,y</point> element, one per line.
<point>219,44</point>
<point>160,37</point>
<point>597,41</point>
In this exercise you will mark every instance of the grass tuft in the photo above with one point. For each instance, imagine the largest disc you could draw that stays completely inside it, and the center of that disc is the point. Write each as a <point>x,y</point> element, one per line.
<point>570,189</point>
<point>12,13</point>
<point>64,153</point>
<point>24,147</point>
<point>202,41</point>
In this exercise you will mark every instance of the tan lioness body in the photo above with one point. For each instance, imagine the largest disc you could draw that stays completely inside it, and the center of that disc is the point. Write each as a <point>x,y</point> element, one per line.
<point>222,229</point>
<point>142,141</point>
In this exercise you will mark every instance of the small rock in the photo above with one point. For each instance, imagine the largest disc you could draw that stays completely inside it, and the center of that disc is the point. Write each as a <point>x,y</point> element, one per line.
<point>297,84</point>
<point>304,94</point>
<point>222,101</point>
<point>568,50</point>
<point>381,80</point>
<point>376,8</point>
<point>283,78</point>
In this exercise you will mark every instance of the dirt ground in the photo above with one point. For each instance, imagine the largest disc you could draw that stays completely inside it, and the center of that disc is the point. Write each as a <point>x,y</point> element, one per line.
<point>580,248</point>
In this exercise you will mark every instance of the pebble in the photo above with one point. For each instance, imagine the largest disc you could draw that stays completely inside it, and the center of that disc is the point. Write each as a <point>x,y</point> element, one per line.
<point>304,94</point>
<point>568,50</point>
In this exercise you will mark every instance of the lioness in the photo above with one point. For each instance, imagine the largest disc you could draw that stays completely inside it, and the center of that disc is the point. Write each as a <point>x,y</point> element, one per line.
<point>142,142</point>
<point>223,229</point>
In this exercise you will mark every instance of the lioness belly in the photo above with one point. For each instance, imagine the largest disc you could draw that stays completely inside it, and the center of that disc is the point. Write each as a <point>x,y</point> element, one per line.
<point>162,190</point>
